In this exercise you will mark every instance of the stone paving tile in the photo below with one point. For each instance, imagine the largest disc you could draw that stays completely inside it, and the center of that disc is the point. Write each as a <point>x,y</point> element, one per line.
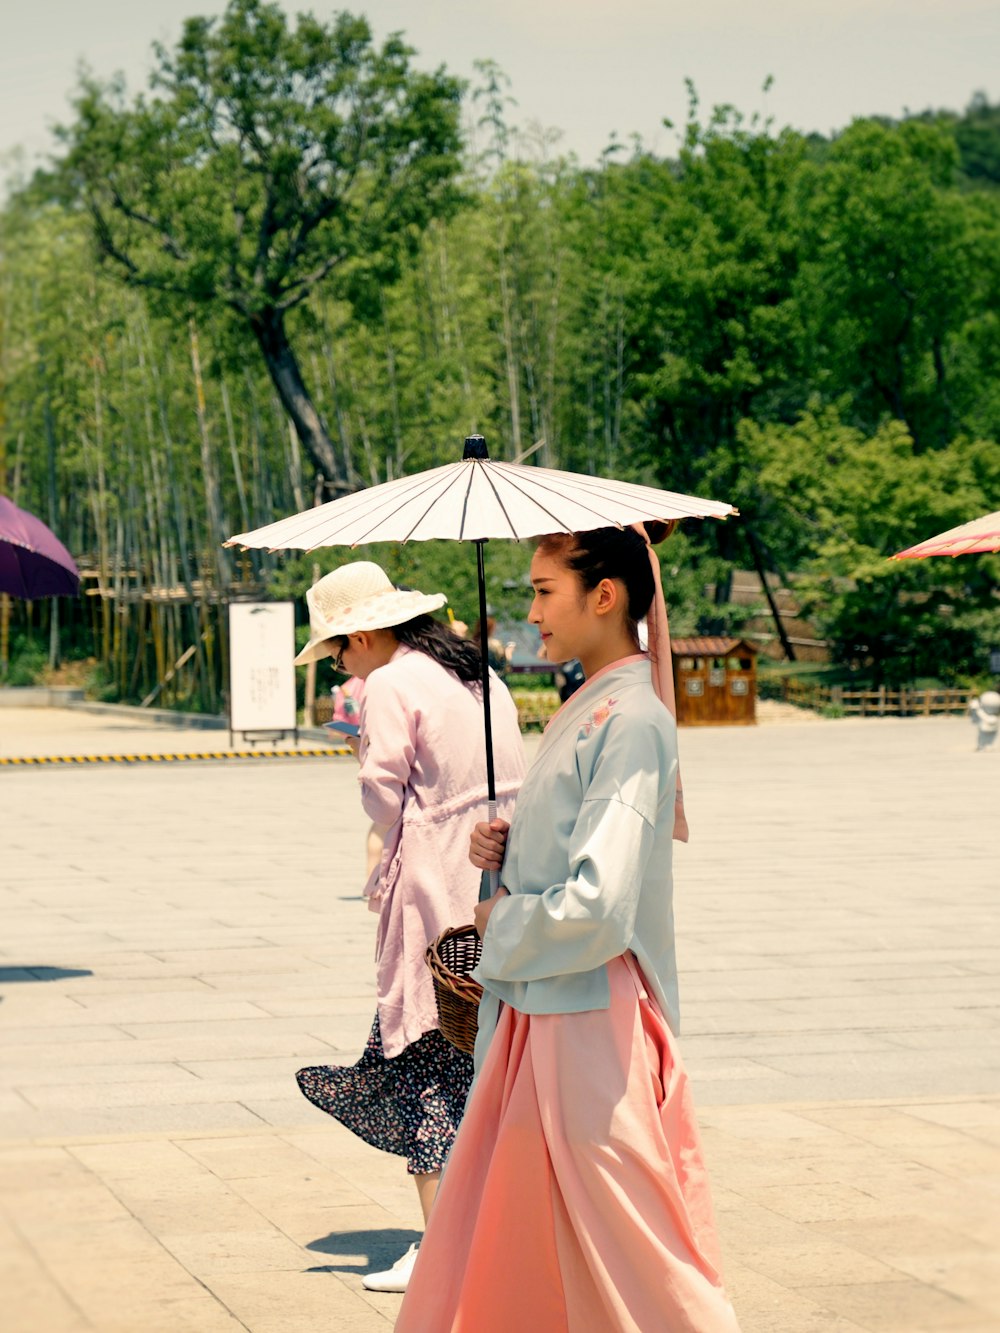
<point>927,1126</point>
<point>246,1157</point>
<point>70,1122</point>
<point>110,1270</point>
<point>171,1092</point>
<point>315,1006</point>
<point>764,1306</point>
<point>88,991</point>
<point>209,1027</point>
<point>302,1303</point>
<point>759,1045</point>
<point>901,1239</point>
<point>208,1254</point>
<point>127,1011</point>
<point>287,1110</point>
<point>327,982</point>
<point>903,1307</point>
<point>253,1067</point>
<point>32,1301</point>
<point>168,1051</point>
<point>981,1120</point>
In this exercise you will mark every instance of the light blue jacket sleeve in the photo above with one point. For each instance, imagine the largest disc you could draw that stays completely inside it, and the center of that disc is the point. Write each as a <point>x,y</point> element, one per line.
<point>585,921</point>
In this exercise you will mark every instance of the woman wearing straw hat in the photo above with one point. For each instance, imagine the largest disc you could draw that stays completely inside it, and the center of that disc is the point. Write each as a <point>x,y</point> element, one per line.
<point>576,1199</point>
<point>423,761</point>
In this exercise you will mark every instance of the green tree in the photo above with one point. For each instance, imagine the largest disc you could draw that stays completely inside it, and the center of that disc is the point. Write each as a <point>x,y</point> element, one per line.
<point>837,503</point>
<point>266,161</point>
<point>891,273</point>
<point>977,133</point>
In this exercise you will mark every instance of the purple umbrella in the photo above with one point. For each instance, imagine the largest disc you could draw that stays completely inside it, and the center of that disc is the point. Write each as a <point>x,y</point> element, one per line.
<point>33,561</point>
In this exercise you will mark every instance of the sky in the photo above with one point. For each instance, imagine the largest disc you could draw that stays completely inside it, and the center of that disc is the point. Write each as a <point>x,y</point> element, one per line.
<point>588,68</point>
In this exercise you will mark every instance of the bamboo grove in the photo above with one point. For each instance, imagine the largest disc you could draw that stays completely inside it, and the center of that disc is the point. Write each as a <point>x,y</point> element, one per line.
<point>808,328</point>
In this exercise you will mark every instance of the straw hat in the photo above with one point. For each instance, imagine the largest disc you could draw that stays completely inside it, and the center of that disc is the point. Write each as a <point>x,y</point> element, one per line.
<point>359,597</point>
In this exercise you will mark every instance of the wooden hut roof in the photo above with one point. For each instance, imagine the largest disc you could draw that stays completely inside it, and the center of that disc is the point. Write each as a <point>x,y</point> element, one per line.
<point>708,646</point>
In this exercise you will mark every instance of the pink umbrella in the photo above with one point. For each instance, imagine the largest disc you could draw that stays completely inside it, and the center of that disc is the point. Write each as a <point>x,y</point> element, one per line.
<point>33,561</point>
<point>982,534</point>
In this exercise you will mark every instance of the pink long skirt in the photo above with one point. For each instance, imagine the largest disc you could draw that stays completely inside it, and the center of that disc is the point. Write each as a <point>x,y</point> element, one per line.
<point>575,1199</point>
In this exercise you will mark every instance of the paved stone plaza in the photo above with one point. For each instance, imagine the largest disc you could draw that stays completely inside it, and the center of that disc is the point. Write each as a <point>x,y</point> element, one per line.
<point>178,940</point>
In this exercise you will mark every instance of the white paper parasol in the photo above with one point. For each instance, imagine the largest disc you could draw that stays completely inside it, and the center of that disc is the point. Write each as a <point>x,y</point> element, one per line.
<point>475,500</point>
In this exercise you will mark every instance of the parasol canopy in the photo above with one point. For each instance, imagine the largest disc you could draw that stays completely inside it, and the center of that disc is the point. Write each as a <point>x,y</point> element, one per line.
<point>982,534</point>
<point>33,561</point>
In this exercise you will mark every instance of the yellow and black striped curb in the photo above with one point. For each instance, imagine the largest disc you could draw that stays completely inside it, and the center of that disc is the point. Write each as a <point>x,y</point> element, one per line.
<point>53,759</point>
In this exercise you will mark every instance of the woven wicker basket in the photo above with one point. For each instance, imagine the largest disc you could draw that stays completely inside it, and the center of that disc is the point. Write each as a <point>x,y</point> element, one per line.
<point>451,957</point>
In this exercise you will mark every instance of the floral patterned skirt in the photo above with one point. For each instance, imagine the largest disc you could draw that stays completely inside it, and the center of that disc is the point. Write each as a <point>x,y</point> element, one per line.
<point>410,1105</point>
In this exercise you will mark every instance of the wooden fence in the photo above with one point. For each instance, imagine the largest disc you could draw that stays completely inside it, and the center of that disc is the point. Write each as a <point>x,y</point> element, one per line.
<point>534,708</point>
<point>877,702</point>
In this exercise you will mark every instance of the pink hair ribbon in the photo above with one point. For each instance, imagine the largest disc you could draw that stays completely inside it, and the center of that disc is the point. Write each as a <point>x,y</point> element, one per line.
<point>662,667</point>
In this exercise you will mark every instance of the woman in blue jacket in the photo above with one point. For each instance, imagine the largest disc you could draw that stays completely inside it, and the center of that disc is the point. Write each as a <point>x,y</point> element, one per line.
<point>575,1198</point>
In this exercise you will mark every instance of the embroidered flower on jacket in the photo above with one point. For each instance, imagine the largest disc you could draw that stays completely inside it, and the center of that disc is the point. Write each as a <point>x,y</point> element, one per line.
<point>599,716</point>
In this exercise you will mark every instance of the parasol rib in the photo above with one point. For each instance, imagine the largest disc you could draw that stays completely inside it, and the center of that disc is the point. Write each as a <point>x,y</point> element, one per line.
<point>503,507</point>
<point>512,482</point>
<point>451,482</point>
<point>568,483</point>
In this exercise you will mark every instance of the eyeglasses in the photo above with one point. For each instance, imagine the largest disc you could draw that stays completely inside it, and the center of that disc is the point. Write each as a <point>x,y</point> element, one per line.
<point>338,657</point>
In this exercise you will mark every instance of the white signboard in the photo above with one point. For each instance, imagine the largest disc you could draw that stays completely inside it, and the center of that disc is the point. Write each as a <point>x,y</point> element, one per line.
<point>261,674</point>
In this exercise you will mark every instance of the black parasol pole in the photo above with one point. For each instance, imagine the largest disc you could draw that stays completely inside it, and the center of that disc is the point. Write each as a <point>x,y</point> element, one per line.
<point>475,447</point>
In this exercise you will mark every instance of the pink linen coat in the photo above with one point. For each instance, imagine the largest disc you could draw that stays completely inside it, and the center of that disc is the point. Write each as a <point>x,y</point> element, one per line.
<point>423,781</point>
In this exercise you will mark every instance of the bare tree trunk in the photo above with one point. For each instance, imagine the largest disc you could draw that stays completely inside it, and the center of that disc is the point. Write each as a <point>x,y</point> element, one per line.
<point>50,451</point>
<point>175,491</point>
<point>165,570</point>
<point>550,452</point>
<point>510,352</point>
<point>216,523</point>
<point>282,366</point>
<point>4,597</point>
<point>619,380</point>
<point>343,425</point>
<point>759,566</point>
<point>262,497</point>
<point>295,470</point>
<point>450,321</point>
<point>234,454</point>
<point>397,430</point>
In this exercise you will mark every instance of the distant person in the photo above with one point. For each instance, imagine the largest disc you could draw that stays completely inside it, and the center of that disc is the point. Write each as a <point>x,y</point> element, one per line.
<point>347,699</point>
<point>457,626</point>
<point>569,676</point>
<point>985,714</point>
<point>496,652</point>
<point>423,781</point>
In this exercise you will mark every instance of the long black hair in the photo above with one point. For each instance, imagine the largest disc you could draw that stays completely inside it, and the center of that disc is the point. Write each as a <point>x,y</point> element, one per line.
<point>611,553</point>
<point>440,641</point>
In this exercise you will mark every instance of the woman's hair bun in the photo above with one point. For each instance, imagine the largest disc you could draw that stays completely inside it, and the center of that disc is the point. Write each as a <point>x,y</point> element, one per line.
<point>658,530</point>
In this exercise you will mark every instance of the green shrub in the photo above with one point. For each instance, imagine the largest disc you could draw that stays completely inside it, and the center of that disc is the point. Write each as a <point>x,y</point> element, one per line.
<point>101,687</point>
<point>26,667</point>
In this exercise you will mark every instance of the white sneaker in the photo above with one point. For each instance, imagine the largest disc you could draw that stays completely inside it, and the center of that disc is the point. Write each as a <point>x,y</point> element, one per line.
<point>394,1278</point>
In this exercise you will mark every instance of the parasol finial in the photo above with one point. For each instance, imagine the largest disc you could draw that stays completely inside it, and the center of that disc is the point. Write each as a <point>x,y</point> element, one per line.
<point>475,447</point>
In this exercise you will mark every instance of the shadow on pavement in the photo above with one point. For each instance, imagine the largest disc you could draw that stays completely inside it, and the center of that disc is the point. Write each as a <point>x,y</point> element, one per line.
<point>35,972</point>
<point>382,1248</point>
